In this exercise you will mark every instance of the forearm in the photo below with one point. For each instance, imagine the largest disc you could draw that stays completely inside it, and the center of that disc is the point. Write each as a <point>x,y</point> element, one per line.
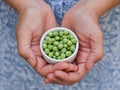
<point>16,4</point>
<point>99,6</point>
<point>22,4</point>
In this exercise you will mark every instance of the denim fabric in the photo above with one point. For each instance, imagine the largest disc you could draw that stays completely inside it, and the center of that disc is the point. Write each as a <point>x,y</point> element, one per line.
<point>16,74</point>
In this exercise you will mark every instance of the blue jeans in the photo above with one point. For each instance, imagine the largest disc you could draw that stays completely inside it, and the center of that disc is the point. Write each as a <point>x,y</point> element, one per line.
<point>16,74</point>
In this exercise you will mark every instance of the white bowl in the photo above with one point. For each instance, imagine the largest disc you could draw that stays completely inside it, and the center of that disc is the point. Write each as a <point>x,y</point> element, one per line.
<point>52,60</point>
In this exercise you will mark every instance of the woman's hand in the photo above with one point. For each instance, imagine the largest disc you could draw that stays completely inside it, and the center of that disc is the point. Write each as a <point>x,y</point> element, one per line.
<point>33,21</point>
<point>84,23</point>
<point>82,18</point>
<point>35,17</point>
<point>90,36</point>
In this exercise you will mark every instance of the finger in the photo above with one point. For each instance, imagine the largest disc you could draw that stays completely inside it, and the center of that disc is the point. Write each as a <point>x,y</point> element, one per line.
<point>66,77</point>
<point>65,22</point>
<point>72,77</point>
<point>82,71</point>
<point>61,77</point>
<point>43,68</point>
<point>24,37</point>
<point>65,66</point>
<point>36,50</point>
<point>51,21</point>
<point>96,52</point>
<point>82,55</point>
<point>51,78</point>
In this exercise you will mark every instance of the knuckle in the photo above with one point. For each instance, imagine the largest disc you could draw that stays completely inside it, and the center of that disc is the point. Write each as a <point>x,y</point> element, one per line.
<point>63,65</point>
<point>71,66</point>
<point>50,77</point>
<point>66,65</point>
<point>99,55</point>
<point>57,74</point>
<point>42,73</point>
<point>21,52</point>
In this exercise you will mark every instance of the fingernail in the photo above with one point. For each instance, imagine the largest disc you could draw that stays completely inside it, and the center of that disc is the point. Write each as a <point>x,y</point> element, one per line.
<point>90,66</point>
<point>47,81</point>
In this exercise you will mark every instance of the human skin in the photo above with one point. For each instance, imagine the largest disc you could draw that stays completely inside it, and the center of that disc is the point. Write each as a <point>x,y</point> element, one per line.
<point>83,18</point>
<point>35,17</point>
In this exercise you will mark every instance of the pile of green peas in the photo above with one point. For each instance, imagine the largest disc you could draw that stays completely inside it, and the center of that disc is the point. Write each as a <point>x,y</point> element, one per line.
<point>59,44</point>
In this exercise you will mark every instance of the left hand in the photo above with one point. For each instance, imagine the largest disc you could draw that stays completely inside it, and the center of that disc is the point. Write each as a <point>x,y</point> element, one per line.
<point>84,23</point>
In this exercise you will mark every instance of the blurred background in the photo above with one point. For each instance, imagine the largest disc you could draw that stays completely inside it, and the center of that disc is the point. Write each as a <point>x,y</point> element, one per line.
<point>16,74</point>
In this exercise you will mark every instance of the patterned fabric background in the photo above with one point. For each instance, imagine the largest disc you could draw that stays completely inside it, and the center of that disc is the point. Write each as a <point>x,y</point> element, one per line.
<point>16,74</point>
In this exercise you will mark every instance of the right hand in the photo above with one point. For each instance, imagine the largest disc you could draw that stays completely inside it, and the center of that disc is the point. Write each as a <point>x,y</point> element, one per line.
<point>33,21</point>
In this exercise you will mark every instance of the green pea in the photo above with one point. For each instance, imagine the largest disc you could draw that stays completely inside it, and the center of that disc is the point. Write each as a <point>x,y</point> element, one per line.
<point>69,43</point>
<point>72,37</point>
<point>47,38</point>
<point>60,46</point>
<point>73,40</point>
<point>68,36</point>
<point>57,38</point>
<point>62,56</point>
<point>66,32</point>
<point>50,41</point>
<point>65,40</point>
<point>58,57</point>
<point>63,50</point>
<point>55,48</point>
<point>61,33</point>
<point>44,42</point>
<point>44,46</point>
<point>55,33</point>
<point>54,57</point>
<point>56,43</point>
<point>50,34</point>
<point>61,42</point>
<point>68,53</point>
<point>57,54</point>
<point>68,48</point>
<point>47,51</point>
<point>72,48</point>
<point>50,54</point>
<point>50,47</point>
<point>65,46</point>
<point>64,36</point>
<point>53,39</point>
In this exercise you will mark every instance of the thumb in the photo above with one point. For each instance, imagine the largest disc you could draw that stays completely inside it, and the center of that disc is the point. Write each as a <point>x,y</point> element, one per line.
<point>51,21</point>
<point>68,67</point>
<point>24,36</point>
<point>66,22</point>
<point>96,54</point>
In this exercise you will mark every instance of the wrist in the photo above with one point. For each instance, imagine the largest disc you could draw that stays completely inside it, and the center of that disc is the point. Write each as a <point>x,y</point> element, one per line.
<point>98,7</point>
<point>85,11</point>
